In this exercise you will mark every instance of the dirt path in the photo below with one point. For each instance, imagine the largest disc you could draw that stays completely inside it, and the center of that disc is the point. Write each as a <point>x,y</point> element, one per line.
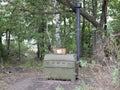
<point>33,80</point>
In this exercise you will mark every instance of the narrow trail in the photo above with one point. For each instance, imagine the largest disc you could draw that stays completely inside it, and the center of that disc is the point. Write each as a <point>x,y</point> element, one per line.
<point>33,80</point>
<point>22,85</point>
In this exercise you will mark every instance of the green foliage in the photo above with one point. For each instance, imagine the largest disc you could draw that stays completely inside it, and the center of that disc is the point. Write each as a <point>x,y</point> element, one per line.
<point>8,63</point>
<point>115,75</point>
<point>31,64</point>
<point>26,64</point>
<point>83,87</point>
<point>115,14</point>
<point>15,47</point>
<point>84,63</point>
<point>24,24</point>
<point>59,88</point>
<point>38,64</point>
<point>2,75</point>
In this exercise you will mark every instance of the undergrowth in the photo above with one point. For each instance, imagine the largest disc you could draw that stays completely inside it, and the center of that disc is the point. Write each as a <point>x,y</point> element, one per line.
<point>31,64</point>
<point>83,87</point>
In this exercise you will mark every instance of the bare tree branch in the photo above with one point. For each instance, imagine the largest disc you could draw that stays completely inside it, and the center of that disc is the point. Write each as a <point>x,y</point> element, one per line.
<point>70,4</point>
<point>44,12</point>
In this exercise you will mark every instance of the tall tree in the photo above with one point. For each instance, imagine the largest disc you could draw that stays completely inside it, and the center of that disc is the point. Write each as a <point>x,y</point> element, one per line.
<point>57,32</point>
<point>99,25</point>
<point>83,32</point>
<point>70,6</point>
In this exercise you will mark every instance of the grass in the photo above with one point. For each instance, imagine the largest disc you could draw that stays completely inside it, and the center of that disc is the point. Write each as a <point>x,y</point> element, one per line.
<point>31,64</point>
<point>84,87</point>
<point>2,75</point>
<point>59,88</point>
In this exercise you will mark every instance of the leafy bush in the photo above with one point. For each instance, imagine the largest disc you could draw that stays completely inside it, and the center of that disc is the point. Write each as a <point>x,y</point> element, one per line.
<point>83,63</point>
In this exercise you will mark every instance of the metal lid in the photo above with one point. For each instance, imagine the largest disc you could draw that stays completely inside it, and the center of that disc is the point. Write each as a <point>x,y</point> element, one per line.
<point>67,57</point>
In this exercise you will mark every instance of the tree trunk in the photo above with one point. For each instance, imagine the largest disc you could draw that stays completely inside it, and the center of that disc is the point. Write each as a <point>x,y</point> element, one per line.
<point>94,12</point>
<point>64,41</point>
<point>38,49</point>
<point>57,32</point>
<point>50,39</point>
<point>94,6</point>
<point>89,40</point>
<point>82,37</point>
<point>8,40</point>
<point>83,32</point>
<point>19,48</point>
<point>98,46</point>
<point>98,51</point>
<point>1,50</point>
<point>40,45</point>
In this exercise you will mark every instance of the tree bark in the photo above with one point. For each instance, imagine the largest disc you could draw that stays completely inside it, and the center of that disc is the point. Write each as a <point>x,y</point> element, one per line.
<point>82,37</point>
<point>99,53</point>
<point>40,45</point>
<point>19,48</point>
<point>98,46</point>
<point>8,40</point>
<point>38,49</point>
<point>1,50</point>
<point>83,32</point>
<point>104,12</point>
<point>94,6</point>
<point>57,32</point>
<point>50,39</point>
<point>94,12</point>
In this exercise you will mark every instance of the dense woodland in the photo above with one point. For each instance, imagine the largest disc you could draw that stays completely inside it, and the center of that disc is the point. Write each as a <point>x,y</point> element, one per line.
<point>29,29</point>
<point>47,24</point>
